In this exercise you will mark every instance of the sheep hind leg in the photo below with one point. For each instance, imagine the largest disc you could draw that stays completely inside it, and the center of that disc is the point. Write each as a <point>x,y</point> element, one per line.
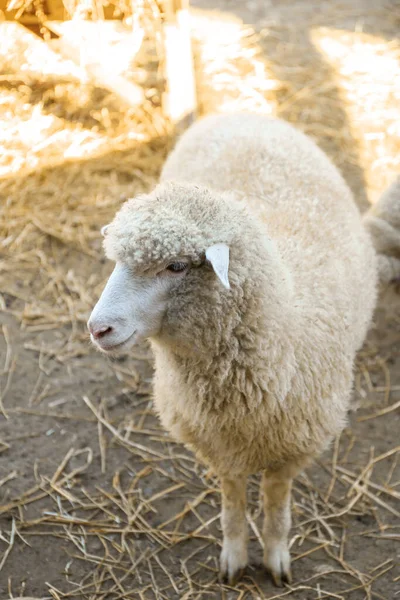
<point>276,490</point>
<point>234,528</point>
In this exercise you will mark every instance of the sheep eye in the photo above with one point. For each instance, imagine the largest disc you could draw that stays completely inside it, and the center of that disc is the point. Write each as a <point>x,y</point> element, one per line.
<point>177,267</point>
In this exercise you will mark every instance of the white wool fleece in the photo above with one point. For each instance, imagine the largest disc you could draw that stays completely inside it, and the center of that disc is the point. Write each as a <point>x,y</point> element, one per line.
<point>258,376</point>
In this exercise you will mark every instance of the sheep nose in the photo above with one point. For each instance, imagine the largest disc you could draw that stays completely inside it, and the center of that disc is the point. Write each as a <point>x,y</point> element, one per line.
<point>99,331</point>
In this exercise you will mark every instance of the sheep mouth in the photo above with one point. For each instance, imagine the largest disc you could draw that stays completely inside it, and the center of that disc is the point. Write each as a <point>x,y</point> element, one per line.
<point>113,348</point>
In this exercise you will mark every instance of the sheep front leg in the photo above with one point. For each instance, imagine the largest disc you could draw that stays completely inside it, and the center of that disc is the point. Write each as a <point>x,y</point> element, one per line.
<point>276,490</point>
<point>234,528</point>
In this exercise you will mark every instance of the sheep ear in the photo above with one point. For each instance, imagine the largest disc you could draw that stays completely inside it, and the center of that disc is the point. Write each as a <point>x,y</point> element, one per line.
<point>103,230</point>
<point>218,255</point>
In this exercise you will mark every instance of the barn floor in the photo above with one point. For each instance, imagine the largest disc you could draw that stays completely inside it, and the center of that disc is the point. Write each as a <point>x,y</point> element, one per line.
<point>96,502</point>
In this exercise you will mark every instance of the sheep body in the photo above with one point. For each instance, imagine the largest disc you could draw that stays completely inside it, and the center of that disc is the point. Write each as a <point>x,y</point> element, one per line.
<point>280,391</point>
<point>257,377</point>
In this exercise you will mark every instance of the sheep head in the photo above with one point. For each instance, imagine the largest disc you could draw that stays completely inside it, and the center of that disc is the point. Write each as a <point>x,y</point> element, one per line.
<point>171,249</point>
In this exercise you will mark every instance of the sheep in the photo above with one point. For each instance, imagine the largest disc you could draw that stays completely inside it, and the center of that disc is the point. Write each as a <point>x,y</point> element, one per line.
<point>250,270</point>
<point>383,223</point>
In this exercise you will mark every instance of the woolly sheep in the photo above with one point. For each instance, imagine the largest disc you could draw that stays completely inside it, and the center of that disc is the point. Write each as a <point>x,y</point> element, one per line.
<point>383,222</point>
<point>249,269</point>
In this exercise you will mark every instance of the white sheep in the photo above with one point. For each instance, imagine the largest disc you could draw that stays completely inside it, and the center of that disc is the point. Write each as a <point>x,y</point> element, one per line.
<point>251,272</point>
<point>383,222</point>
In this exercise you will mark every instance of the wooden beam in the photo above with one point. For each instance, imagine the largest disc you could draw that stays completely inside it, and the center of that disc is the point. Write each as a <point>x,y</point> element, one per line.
<point>179,101</point>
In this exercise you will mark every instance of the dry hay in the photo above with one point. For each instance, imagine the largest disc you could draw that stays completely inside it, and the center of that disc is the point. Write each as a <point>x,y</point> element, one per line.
<point>71,154</point>
<point>144,14</point>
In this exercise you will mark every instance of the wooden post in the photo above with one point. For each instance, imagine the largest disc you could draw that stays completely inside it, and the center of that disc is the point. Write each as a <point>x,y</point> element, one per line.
<point>179,101</point>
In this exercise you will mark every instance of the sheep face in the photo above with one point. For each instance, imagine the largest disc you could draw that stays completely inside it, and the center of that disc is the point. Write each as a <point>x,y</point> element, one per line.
<point>171,272</point>
<point>131,307</point>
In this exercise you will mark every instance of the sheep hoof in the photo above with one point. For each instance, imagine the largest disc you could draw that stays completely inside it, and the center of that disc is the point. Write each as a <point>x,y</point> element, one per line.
<point>231,578</point>
<point>280,578</point>
<point>233,562</point>
<point>277,563</point>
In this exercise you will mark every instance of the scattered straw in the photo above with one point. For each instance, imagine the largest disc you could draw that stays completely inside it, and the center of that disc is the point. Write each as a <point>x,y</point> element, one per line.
<point>379,413</point>
<point>136,516</point>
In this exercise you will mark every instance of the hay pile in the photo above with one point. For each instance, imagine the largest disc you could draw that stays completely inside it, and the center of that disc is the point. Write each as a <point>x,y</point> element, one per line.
<point>71,153</point>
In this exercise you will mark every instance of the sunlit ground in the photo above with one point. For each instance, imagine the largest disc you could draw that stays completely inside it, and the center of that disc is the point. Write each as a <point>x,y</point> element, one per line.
<point>355,96</point>
<point>367,72</point>
<point>52,112</point>
<point>341,87</point>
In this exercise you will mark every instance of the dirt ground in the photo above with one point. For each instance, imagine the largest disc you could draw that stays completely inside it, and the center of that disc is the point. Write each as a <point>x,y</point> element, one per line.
<point>96,501</point>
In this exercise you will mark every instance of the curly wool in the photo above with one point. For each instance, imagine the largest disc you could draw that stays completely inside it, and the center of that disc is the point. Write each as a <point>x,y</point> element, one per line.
<point>152,228</point>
